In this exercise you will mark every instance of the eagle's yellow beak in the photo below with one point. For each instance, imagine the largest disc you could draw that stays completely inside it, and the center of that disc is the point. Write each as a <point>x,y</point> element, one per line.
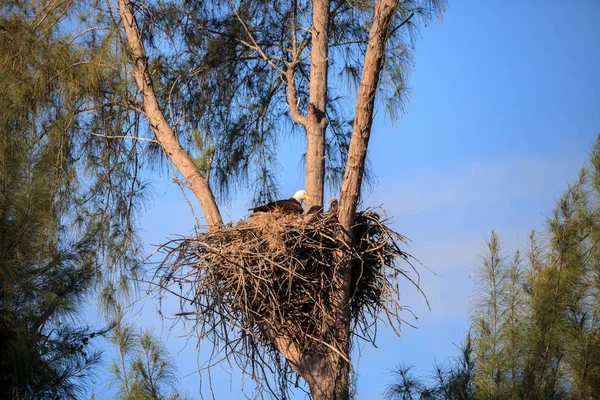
<point>306,197</point>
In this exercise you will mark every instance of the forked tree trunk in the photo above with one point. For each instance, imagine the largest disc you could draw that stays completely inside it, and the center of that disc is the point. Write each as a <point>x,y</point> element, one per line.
<point>330,376</point>
<point>163,132</point>
<point>316,121</point>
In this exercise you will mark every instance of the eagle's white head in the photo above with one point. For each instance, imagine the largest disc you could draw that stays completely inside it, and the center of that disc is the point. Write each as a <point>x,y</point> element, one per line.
<point>301,195</point>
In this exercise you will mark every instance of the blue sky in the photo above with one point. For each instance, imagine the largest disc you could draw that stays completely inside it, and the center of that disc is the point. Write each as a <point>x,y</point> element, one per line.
<point>504,109</point>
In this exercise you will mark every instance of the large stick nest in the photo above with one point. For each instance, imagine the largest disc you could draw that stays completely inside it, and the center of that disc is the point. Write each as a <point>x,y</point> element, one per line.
<point>274,274</point>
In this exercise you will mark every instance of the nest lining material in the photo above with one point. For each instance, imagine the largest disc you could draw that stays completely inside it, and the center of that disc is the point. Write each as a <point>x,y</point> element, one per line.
<point>274,273</point>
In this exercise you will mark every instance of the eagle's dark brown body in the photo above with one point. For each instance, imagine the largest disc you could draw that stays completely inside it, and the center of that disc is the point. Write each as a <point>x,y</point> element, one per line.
<point>289,206</point>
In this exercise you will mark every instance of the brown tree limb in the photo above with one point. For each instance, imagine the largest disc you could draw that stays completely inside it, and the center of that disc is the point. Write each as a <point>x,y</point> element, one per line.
<point>406,21</point>
<point>317,122</point>
<point>365,104</point>
<point>351,184</point>
<point>160,127</point>
<point>290,73</point>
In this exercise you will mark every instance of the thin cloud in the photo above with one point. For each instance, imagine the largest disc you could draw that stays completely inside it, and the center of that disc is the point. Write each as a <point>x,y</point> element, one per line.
<point>478,185</point>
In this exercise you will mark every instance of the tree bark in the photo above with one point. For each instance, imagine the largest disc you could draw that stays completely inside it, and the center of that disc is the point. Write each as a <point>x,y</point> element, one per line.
<point>316,121</point>
<point>163,132</point>
<point>365,104</point>
<point>328,375</point>
<point>331,375</point>
<point>327,378</point>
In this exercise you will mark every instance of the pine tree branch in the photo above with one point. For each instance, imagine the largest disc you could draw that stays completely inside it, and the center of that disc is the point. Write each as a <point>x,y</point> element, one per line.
<point>255,45</point>
<point>290,75</point>
<point>160,127</point>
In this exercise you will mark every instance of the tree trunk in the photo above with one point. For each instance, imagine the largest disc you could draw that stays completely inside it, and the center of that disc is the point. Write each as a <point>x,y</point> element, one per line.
<point>163,132</point>
<point>355,165</point>
<point>316,122</point>
<point>327,377</point>
<point>365,104</point>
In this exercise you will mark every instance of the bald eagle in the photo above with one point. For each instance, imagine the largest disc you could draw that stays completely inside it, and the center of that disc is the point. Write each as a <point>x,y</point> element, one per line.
<point>289,206</point>
<point>333,206</point>
<point>315,210</point>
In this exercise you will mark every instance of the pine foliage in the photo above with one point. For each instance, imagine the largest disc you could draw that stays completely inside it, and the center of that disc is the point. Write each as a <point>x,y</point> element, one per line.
<point>250,44</point>
<point>143,369</point>
<point>67,195</point>
<point>535,330</point>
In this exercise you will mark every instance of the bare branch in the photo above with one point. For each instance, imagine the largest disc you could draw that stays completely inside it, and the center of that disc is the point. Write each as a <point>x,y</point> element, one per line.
<point>160,127</point>
<point>123,137</point>
<point>365,104</point>
<point>317,121</point>
<point>255,45</point>
<point>401,24</point>
<point>290,75</point>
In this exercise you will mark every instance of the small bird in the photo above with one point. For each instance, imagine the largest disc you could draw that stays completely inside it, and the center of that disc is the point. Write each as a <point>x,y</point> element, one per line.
<point>333,206</point>
<point>292,205</point>
<point>315,210</point>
